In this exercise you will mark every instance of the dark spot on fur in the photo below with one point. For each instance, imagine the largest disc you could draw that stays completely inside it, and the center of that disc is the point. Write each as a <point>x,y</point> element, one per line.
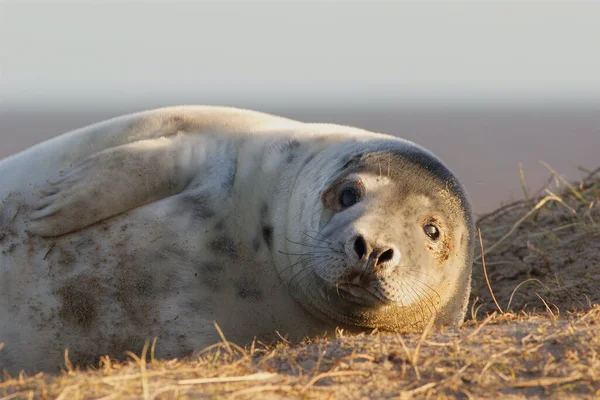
<point>119,343</point>
<point>66,258</point>
<point>291,145</point>
<point>283,146</point>
<point>136,289</point>
<point>80,297</point>
<point>267,230</point>
<point>231,173</point>
<point>184,347</point>
<point>212,275</point>
<point>256,244</point>
<point>247,288</point>
<point>144,284</point>
<point>212,267</point>
<point>264,211</point>
<point>220,225</point>
<point>199,205</point>
<point>224,245</point>
<point>201,306</point>
<point>267,234</point>
<point>308,159</point>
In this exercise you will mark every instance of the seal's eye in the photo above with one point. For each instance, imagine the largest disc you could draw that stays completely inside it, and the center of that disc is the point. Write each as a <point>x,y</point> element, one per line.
<point>432,231</point>
<point>349,197</point>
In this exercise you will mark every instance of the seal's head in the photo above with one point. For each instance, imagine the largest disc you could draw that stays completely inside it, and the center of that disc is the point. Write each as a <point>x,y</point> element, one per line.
<point>385,239</point>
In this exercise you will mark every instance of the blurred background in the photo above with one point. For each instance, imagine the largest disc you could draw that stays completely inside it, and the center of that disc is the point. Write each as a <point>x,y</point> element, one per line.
<point>484,85</point>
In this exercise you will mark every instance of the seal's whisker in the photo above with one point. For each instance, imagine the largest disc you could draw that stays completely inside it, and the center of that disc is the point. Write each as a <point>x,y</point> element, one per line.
<point>296,280</point>
<point>417,310</point>
<point>318,234</point>
<point>303,254</point>
<point>305,258</point>
<point>414,292</point>
<point>313,260</point>
<point>389,164</point>
<point>311,246</point>
<point>307,280</point>
<point>300,262</point>
<point>427,295</point>
<point>417,270</point>
<point>314,238</point>
<point>428,286</point>
<point>411,303</point>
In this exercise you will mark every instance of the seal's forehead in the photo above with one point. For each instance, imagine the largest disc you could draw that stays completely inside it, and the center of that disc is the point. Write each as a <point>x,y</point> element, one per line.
<point>406,166</point>
<point>413,169</point>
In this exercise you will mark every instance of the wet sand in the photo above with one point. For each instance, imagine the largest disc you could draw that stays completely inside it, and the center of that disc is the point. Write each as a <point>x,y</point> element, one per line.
<point>482,146</point>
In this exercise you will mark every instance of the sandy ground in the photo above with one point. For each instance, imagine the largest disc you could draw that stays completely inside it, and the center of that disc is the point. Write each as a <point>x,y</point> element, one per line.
<point>537,337</point>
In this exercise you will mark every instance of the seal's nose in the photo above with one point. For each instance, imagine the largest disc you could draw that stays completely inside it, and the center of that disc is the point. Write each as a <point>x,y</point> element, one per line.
<point>377,256</point>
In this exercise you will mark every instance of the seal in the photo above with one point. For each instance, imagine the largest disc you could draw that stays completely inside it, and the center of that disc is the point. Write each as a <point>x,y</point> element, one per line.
<point>157,224</point>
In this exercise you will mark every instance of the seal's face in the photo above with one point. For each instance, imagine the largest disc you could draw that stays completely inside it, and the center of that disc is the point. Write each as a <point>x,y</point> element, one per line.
<point>393,246</point>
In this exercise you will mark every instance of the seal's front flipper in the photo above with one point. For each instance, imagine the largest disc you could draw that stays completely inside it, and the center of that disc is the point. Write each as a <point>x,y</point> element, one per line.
<point>113,181</point>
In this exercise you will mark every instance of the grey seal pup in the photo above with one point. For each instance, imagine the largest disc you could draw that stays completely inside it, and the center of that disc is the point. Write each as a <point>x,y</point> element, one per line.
<point>157,224</point>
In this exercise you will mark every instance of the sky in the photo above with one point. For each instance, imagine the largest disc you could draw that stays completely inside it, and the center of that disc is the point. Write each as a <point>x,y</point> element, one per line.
<point>83,53</point>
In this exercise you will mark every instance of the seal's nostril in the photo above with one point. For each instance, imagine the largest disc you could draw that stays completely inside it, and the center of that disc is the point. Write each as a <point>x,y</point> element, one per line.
<point>386,256</point>
<point>360,247</point>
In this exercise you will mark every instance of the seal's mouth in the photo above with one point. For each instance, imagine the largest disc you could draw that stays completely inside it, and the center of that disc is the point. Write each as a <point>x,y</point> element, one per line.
<point>366,296</point>
<point>359,306</point>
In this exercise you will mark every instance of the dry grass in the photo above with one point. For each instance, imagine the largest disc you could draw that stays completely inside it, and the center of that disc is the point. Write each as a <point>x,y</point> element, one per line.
<point>541,339</point>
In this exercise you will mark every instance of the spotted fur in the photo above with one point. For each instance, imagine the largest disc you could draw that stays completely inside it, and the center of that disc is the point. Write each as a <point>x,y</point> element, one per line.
<point>156,224</point>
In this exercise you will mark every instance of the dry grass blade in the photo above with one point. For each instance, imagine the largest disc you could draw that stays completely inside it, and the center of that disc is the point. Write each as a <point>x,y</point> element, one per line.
<point>329,375</point>
<point>68,364</point>
<point>516,224</point>
<point>18,395</point>
<point>545,382</point>
<point>522,179</point>
<point>561,201</point>
<point>109,397</point>
<point>522,283</point>
<point>423,388</point>
<point>546,305</point>
<point>259,389</point>
<point>415,357</point>
<point>225,342</point>
<point>479,327</point>
<point>144,377</point>
<point>260,376</point>
<point>571,188</point>
<point>67,391</point>
<point>487,281</point>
